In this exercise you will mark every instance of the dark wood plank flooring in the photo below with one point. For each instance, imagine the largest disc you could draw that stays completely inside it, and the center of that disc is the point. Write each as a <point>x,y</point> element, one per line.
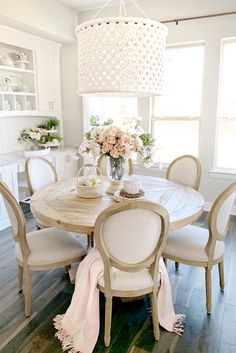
<point>131,324</point>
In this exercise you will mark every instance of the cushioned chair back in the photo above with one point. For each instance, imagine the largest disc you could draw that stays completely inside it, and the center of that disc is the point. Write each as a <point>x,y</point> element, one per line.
<point>15,214</point>
<point>102,165</point>
<point>132,235</point>
<point>185,170</point>
<point>39,173</point>
<point>221,210</point>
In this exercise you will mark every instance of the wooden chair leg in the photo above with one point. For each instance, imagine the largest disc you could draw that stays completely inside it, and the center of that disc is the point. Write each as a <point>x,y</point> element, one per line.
<point>67,268</point>
<point>88,241</point>
<point>156,329</point>
<point>176,266</point>
<point>221,275</point>
<point>27,293</point>
<point>108,315</point>
<point>20,278</point>
<point>208,289</point>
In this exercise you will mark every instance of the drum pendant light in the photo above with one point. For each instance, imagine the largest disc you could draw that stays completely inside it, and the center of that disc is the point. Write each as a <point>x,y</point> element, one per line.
<point>121,56</point>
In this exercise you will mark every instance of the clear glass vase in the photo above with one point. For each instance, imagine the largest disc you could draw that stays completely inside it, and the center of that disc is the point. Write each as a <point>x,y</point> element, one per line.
<point>116,168</point>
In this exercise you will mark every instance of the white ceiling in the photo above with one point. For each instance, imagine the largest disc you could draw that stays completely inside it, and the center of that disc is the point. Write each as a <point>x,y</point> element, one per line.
<point>81,5</point>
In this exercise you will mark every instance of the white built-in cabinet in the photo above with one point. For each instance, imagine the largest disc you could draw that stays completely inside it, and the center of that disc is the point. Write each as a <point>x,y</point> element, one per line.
<point>31,86</point>
<point>66,166</point>
<point>48,80</point>
<point>8,174</point>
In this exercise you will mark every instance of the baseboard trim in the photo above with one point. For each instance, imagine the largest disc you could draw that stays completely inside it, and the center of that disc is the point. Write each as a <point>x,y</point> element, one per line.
<point>208,205</point>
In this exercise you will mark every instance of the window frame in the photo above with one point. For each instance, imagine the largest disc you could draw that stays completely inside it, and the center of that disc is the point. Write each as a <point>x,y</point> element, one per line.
<point>217,169</point>
<point>154,118</point>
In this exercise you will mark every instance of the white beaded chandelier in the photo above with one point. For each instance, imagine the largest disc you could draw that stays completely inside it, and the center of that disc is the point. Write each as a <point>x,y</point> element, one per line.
<point>122,56</point>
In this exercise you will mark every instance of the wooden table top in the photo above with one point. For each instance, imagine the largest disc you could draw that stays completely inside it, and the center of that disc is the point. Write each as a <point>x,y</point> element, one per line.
<point>59,206</point>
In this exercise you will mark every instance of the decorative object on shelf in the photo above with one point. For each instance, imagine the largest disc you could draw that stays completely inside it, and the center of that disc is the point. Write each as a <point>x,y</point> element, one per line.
<point>6,60</point>
<point>90,186</point>
<point>40,138</point>
<point>8,83</point>
<point>21,60</point>
<point>48,130</point>
<point>18,106</point>
<point>7,105</point>
<point>31,136</point>
<point>121,55</point>
<point>51,124</point>
<point>117,144</point>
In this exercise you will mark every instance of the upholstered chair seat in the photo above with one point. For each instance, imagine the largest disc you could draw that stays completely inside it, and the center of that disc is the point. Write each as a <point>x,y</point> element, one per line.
<point>49,246</point>
<point>189,243</point>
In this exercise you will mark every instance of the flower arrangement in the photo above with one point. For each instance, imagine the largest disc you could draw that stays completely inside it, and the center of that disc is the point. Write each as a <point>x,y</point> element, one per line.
<point>89,181</point>
<point>117,142</point>
<point>38,137</point>
<point>32,135</point>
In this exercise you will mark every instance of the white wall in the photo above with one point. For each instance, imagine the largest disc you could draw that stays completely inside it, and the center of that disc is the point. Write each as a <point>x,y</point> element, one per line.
<point>72,106</point>
<point>210,30</point>
<point>47,18</point>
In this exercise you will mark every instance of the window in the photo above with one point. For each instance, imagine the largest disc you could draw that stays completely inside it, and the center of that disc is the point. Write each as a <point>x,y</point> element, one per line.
<point>111,108</point>
<point>226,123</point>
<point>176,114</point>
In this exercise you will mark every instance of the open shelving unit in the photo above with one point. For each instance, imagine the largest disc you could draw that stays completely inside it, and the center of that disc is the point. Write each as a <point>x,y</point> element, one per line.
<point>17,81</point>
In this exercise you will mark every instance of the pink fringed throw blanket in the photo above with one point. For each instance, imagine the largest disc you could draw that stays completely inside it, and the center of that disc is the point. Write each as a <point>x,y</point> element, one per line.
<point>78,328</point>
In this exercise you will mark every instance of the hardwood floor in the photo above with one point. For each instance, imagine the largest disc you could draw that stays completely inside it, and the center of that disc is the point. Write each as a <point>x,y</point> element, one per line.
<point>131,324</point>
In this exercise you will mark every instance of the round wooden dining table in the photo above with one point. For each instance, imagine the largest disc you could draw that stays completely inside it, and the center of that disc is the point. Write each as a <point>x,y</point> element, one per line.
<point>58,205</point>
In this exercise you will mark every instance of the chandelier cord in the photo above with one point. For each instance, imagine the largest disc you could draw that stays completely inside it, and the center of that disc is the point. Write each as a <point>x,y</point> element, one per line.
<point>101,9</point>
<point>139,8</point>
<point>122,7</point>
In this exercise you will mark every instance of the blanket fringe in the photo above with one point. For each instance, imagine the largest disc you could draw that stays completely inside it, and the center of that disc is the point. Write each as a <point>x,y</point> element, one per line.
<point>63,336</point>
<point>178,326</point>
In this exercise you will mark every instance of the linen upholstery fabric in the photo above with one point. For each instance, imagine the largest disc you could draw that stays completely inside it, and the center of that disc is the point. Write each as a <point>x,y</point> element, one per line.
<point>129,281</point>
<point>184,172</point>
<point>50,245</point>
<point>189,243</point>
<point>224,213</point>
<point>12,216</point>
<point>40,173</point>
<point>124,229</point>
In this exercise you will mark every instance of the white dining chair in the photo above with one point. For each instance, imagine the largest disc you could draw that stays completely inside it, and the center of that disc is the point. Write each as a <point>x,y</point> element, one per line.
<point>130,249</point>
<point>38,250</point>
<point>102,165</point>
<point>185,170</point>
<point>39,173</point>
<point>196,246</point>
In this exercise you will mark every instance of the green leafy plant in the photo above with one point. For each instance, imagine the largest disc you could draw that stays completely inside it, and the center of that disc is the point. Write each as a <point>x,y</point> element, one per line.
<point>49,138</point>
<point>50,124</point>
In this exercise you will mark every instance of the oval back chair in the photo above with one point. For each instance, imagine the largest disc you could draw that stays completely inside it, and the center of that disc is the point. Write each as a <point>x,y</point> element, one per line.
<point>39,173</point>
<point>196,246</point>
<point>185,170</point>
<point>133,248</point>
<point>38,250</point>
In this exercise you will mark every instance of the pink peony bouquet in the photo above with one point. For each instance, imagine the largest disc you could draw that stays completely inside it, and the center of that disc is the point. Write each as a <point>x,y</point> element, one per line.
<point>117,142</point>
